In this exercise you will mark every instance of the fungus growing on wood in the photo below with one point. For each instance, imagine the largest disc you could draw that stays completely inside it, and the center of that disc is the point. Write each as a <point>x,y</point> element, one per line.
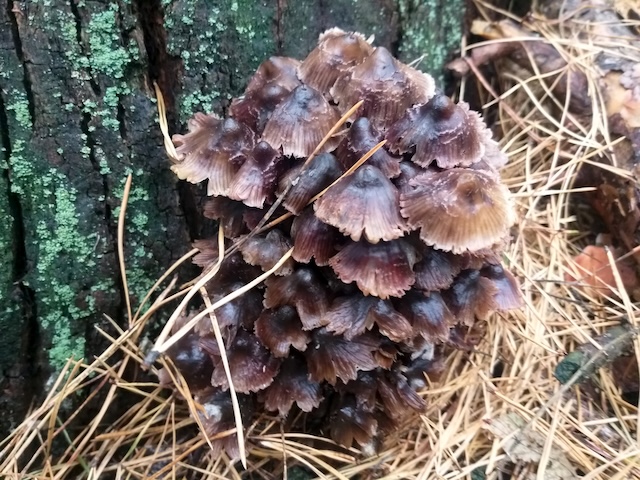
<point>255,180</point>
<point>439,131</point>
<point>364,204</point>
<point>337,52</point>
<point>458,209</point>
<point>213,150</point>
<point>310,180</point>
<point>386,86</point>
<point>394,258</point>
<point>299,123</point>
<point>361,138</point>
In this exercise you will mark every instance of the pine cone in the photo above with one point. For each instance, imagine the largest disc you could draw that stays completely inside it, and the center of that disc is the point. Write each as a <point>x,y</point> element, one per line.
<point>391,263</point>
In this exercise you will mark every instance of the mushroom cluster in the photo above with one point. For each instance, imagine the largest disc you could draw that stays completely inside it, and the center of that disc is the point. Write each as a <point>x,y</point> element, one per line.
<point>394,258</point>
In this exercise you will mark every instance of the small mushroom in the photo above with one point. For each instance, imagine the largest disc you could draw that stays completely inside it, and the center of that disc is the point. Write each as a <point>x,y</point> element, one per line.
<point>192,361</point>
<point>313,238</point>
<point>383,269</point>
<point>234,314</point>
<point>350,423</point>
<point>213,150</point>
<point>364,203</point>
<point>458,209</point>
<point>265,251</point>
<point>217,417</point>
<point>255,181</point>
<point>271,84</point>
<point>428,313</point>
<point>291,385</point>
<point>330,357</point>
<point>471,296</point>
<point>229,213</point>
<point>397,395</point>
<point>303,290</point>
<point>281,329</point>
<point>336,53</point>
<point>436,270</point>
<point>252,366</point>
<point>282,70</point>
<point>360,139</point>
<point>300,122</point>
<point>439,130</point>
<point>311,180</point>
<point>508,294</point>
<point>353,315</point>
<point>386,86</point>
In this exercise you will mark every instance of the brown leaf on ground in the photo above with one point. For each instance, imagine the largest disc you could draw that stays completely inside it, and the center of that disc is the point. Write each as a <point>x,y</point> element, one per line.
<point>594,274</point>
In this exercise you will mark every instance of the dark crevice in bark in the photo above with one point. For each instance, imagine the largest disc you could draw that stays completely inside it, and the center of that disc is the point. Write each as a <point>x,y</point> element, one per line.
<point>165,70</point>
<point>12,14</point>
<point>281,5</point>
<point>26,371</point>
<point>78,21</point>
<point>397,42</point>
<point>122,122</point>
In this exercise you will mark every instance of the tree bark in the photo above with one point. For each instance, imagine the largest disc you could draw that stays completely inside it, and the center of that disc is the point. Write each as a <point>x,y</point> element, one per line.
<point>78,114</point>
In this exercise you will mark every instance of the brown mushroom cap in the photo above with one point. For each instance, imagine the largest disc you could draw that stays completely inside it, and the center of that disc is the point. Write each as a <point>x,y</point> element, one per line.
<point>458,209</point>
<point>300,122</point>
<point>330,357</point>
<point>302,289</point>
<point>217,416</point>
<point>383,269</point>
<point>266,251</point>
<point>252,366</point>
<point>429,315</point>
<point>280,70</point>
<point>192,361</point>
<point>256,107</point>
<point>464,337</point>
<point>436,270</point>
<point>471,296</point>
<point>350,422</point>
<point>255,182</point>
<point>313,238</point>
<point>229,213</point>
<point>281,329</point>
<point>439,130</point>
<point>239,312</point>
<point>311,180</point>
<point>508,294</point>
<point>272,82</point>
<point>365,202</point>
<point>208,254</point>
<point>291,385</point>
<point>353,315</point>
<point>213,150</point>
<point>360,139</point>
<point>397,395</point>
<point>387,87</point>
<point>336,53</point>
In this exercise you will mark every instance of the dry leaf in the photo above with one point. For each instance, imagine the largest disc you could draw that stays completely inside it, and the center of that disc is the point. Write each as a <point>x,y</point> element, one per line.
<point>592,270</point>
<point>526,446</point>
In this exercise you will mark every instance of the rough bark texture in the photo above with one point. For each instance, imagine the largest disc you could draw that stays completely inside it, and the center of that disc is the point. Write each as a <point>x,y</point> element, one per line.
<point>78,114</point>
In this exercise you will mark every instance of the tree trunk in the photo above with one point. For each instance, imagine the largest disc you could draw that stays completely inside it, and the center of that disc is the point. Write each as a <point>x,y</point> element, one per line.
<point>78,114</point>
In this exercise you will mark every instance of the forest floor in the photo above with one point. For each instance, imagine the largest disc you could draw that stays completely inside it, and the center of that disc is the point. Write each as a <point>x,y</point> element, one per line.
<point>569,121</point>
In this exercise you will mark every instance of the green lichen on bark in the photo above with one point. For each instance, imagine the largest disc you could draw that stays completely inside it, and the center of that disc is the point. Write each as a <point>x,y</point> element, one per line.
<point>431,30</point>
<point>79,120</point>
<point>220,44</point>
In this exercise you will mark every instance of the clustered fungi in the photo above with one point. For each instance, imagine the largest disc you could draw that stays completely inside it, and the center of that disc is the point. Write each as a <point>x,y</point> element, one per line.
<point>391,264</point>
